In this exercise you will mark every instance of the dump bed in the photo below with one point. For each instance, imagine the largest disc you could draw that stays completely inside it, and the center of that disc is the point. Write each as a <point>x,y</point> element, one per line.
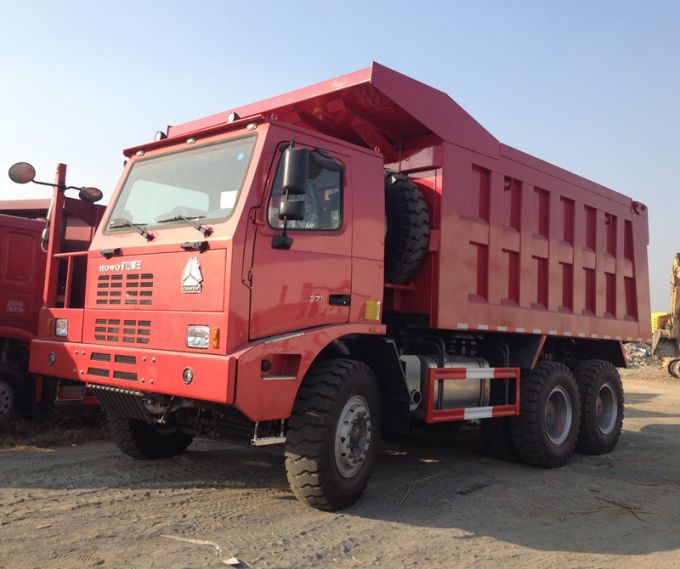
<point>523,246</point>
<point>517,244</point>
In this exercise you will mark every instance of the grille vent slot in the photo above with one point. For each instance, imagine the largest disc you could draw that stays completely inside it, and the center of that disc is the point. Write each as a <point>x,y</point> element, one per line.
<point>100,357</point>
<point>123,330</point>
<point>127,375</point>
<point>129,289</point>
<point>113,364</point>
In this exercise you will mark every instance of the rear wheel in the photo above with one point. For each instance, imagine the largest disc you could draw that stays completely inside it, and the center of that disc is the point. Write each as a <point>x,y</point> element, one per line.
<point>601,394</point>
<point>141,440</point>
<point>545,433</point>
<point>333,434</point>
<point>674,368</point>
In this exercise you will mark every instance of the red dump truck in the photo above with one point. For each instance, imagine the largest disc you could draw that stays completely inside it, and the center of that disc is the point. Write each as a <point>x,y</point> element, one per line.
<point>353,257</point>
<point>22,272</point>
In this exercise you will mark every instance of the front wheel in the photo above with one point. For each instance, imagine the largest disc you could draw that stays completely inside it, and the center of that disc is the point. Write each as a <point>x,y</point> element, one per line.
<point>674,368</point>
<point>545,433</point>
<point>141,440</point>
<point>333,434</point>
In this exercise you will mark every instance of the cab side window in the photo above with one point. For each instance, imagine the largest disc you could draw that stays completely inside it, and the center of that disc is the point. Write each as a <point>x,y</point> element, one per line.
<point>323,199</point>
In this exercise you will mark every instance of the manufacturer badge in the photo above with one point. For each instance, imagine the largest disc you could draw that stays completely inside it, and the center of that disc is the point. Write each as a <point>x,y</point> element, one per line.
<point>192,277</point>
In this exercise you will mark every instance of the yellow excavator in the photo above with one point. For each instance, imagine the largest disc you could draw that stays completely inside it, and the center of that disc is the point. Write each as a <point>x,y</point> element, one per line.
<point>666,326</point>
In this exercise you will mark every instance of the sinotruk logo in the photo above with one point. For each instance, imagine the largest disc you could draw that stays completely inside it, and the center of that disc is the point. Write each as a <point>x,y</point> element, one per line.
<point>192,277</point>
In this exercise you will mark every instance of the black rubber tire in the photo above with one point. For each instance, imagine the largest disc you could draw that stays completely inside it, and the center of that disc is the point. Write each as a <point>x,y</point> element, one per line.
<point>408,228</point>
<point>14,395</point>
<point>7,401</point>
<point>141,440</point>
<point>311,466</point>
<point>496,439</point>
<point>591,375</point>
<point>674,368</point>
<point>529,433</point>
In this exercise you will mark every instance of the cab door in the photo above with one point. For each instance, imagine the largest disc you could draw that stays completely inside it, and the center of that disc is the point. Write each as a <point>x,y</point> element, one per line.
<point>309,284</point>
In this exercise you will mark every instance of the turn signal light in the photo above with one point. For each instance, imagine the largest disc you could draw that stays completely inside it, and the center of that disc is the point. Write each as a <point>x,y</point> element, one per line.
<point>215,338</point>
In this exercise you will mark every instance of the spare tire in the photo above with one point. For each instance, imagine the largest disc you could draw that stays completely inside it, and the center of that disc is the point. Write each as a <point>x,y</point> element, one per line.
<point>408,228</point>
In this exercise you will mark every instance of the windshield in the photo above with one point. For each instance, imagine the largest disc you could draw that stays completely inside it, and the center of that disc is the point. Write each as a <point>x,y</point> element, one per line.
<point>201,183</point>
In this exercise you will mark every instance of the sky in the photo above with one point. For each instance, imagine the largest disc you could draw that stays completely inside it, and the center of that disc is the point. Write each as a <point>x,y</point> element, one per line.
<point>593,87</point>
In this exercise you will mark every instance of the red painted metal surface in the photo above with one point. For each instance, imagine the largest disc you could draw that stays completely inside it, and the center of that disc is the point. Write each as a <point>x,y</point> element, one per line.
<point>517,246</point>
<point>22,270</point>
<point>30,209</point>
<point>54,242</point>
<point>520,245</point>
<point>22,278</point>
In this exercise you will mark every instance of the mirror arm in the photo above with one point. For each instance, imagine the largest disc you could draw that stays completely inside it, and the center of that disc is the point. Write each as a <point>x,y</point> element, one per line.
<point>62,187</point>
<point>47,184</point>
<point>282,241</point>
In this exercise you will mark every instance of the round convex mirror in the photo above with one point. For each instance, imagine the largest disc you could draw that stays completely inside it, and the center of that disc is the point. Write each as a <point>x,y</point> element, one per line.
<point>22,173</point>
<point>91,195</point>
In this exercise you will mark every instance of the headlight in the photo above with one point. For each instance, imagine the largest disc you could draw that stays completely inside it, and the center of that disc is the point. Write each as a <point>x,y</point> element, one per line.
<point>61,327</point>
<point>198,337</point>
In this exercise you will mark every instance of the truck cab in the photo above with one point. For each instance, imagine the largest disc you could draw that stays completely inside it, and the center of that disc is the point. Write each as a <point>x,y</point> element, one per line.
<point>184,285</point>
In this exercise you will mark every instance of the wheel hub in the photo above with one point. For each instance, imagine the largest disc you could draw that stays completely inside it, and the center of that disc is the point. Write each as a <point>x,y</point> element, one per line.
<point>606,409</point>
<point>558,416</point>
<point>352,436</point>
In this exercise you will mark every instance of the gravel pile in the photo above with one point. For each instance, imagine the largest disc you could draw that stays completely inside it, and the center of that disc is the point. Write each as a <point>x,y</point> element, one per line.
<point>639,354</point>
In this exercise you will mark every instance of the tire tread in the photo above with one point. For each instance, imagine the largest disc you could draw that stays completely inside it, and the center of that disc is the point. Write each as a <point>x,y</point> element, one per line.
<point>310,429</point>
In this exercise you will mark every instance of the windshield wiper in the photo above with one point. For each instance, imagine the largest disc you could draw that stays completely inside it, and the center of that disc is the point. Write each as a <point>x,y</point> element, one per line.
<point>204,229</point>
<point>138,227</point>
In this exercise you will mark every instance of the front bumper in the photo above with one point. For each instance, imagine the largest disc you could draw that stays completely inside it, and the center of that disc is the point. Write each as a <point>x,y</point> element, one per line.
<point>154,371</point>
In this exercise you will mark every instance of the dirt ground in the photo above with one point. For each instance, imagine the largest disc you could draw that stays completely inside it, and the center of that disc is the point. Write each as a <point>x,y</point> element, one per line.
<point>434,501</point>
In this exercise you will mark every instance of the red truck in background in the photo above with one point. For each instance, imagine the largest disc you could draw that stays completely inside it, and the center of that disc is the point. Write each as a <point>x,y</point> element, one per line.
<point>22,278</point>
<point>353,257</point>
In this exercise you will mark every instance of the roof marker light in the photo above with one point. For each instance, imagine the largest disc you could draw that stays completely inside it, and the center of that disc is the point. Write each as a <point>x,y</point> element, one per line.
<point>231,117</point>
<point>160,135</point>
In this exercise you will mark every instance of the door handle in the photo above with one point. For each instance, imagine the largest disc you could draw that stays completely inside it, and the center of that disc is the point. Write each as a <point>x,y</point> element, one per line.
<point>340,299</point>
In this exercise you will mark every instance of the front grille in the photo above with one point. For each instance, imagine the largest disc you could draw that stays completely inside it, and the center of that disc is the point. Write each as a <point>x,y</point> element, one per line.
<point>122,330</point>
<point>100,357</point>
<point>129,289</point>
<point>113,363</point>
<point>127,375</point>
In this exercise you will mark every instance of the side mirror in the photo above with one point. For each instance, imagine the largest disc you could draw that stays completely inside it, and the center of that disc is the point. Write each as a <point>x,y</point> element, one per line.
<point>22,173</point>
<point>292,210</point>
<point>90,195</point>
<point>295,166</point>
